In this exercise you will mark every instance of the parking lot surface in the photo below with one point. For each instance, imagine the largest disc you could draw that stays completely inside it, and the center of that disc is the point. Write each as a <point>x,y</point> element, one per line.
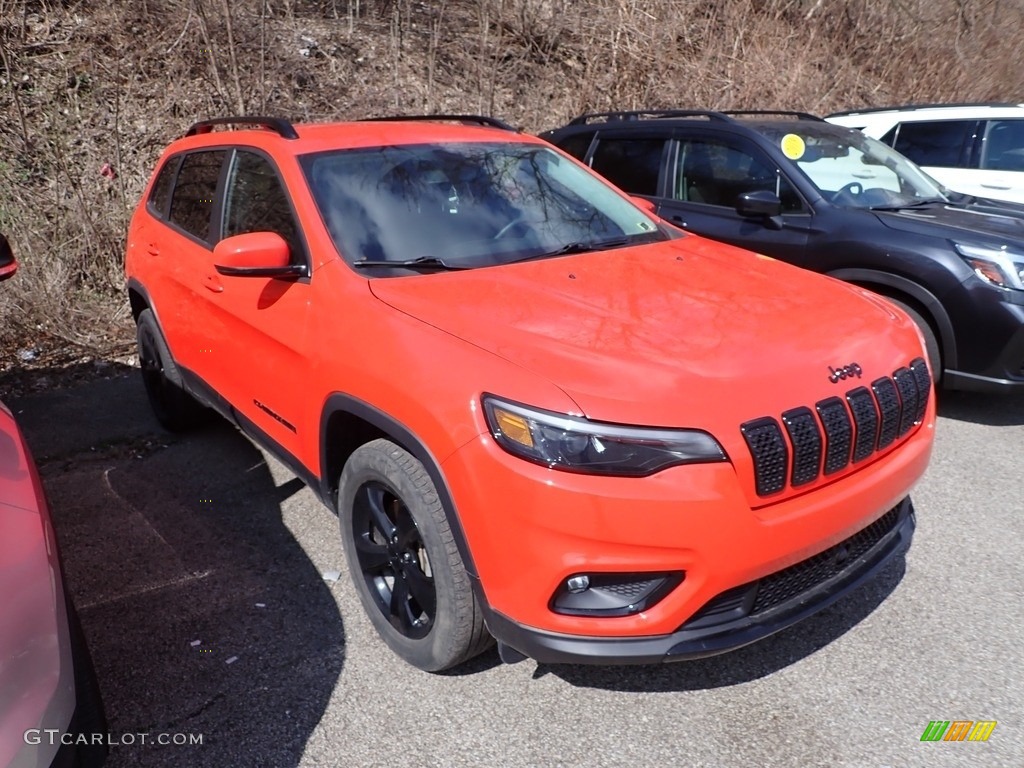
<point>213,592</point>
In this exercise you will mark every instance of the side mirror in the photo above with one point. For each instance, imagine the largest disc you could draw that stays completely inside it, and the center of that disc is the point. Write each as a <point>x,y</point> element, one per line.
<point>255,254</point>
<point>643,202</point>
<point>8,264</point>
<point>761,204</point>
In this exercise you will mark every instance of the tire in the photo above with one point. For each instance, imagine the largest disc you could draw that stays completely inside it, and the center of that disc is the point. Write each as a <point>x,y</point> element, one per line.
<point>404,561</point>
<point>174,408</point>
<point>931,342</point>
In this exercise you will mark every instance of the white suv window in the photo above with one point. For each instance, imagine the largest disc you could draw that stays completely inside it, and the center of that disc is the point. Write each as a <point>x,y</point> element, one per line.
<point>1004,146</point>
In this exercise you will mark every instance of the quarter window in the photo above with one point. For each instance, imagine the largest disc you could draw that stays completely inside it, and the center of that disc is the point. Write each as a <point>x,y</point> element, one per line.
<point>195,191</point>
<point>256,202</point>
<point>943,144</point>
<point>631,164</point>
<point>161,195</point>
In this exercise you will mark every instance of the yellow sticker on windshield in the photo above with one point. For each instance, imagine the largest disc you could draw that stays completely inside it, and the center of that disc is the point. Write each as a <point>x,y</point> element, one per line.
<point>793,146</point>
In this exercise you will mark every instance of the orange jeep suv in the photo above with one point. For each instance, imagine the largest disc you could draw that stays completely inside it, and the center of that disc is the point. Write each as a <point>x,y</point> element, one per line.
<point>542,414</point>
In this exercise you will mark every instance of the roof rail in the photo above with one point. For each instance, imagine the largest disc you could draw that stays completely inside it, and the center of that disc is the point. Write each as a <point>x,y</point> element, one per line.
<point>908,107</point>
<point>277,124</point>
<point>490,122</point>
<point>781,112</point>
<point>643,114</point>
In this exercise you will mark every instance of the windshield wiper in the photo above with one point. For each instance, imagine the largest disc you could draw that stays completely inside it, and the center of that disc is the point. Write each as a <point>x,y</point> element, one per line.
<point>420,262</point>
<point>577,247</point>
<point>915,204</point>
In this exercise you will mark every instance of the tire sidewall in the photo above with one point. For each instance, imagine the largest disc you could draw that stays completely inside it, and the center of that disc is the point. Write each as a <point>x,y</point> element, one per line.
<point>375,463</point>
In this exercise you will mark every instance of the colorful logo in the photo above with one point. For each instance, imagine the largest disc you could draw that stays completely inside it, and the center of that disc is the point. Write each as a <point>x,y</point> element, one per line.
<point>958,730</point>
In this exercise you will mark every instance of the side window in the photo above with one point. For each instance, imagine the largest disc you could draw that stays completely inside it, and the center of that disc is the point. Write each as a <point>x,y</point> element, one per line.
<point>577,145</point>
<point>631,164</point>
<point>161,195</point>
<point>193,196</point>
<point>943,143</point>
<point>1004,146</point>
<point>714,173</point>
<point>256,202</point>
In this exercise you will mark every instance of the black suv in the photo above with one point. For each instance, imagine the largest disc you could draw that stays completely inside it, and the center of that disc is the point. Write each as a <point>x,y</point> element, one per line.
<point>828,198</point>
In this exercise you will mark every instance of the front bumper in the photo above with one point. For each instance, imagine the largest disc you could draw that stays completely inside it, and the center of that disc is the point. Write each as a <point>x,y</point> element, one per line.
<point>693,641</point>
<point>989,342</point>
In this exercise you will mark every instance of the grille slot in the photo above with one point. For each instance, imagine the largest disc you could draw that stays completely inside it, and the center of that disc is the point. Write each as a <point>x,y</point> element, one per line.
<point>889,405</point>
<point>838,433</point>
<point>771,456</point>
<point>907,386</point>
<point>805,436</point>
<point>923,378</point>
<point>865,419</point>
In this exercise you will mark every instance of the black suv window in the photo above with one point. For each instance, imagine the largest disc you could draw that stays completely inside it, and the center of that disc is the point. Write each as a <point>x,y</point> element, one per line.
<point>194,193</point>
<point>943,143</point>
<point>715,173</point>
<point>631,164</point>
<point>1004,146</point>
<point>256,202</point>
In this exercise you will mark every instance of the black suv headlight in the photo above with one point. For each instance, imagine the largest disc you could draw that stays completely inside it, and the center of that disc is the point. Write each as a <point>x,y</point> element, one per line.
<point>576,444</point>
<point>999,266</point>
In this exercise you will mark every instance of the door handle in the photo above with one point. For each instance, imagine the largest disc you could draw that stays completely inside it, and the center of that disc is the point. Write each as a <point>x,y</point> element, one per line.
<point>213,283</point>
<point>677,219</point>
<point>995,186</point>
<point>152,249</point>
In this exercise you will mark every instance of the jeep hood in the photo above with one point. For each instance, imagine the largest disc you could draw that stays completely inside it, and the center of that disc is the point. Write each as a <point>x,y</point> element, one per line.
<point>682,333</point>
<point>985,221</point>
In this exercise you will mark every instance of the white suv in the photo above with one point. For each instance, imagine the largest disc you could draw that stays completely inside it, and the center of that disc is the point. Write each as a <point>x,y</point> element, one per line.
<point>977,149</point>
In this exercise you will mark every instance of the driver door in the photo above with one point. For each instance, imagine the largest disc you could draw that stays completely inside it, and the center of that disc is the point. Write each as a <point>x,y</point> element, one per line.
<point>706,174</point>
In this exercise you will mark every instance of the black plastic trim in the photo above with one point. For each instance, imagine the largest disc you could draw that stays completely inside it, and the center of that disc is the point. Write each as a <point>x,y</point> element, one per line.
<point>343,403</point>
<point>556,648</point>
<point>484,120</point>
<point>278,125</point>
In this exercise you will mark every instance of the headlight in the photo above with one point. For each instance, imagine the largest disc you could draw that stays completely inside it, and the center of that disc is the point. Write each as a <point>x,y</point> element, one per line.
<point>998,266</point>
<point>578,445</point>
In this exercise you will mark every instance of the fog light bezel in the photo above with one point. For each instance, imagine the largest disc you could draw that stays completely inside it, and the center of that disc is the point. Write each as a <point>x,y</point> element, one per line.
<point>597,601</point>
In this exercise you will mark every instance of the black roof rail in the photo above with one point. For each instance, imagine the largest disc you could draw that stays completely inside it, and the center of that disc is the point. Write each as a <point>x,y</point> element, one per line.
<point>490,122</point>
<point>643,114</point>
<point>780,112</point>
<point>277,124</point>
<point>937,105</point>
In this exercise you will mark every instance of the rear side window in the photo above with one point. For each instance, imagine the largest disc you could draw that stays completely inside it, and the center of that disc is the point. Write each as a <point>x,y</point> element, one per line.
<point>1004,146</point>
<point>577,145</point>
<point>161,196</point>
<point>256,202</point>
<point>195,191</point>
<point>943,144</point>
<point>631,164</point>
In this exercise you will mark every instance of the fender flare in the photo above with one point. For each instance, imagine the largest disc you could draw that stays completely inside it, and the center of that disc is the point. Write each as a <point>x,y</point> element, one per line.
<point>392,428</point>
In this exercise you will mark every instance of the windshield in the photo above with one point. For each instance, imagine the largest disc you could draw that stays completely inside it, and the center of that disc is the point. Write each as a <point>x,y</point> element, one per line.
<point>853,170</point>
<point>467,205</point>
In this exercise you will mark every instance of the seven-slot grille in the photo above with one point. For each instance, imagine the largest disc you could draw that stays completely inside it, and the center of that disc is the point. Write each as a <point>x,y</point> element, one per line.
<point>845,430</point>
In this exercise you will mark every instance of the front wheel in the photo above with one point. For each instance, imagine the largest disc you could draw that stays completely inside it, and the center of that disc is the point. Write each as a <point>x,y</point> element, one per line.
<point>174,408</point>
<point>404,560</point>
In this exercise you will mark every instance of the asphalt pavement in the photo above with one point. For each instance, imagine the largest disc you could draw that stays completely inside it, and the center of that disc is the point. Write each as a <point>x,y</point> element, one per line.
<point>214,595</point>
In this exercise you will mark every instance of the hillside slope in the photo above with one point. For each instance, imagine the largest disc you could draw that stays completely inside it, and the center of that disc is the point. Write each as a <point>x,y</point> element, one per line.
<point>91,91</point>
